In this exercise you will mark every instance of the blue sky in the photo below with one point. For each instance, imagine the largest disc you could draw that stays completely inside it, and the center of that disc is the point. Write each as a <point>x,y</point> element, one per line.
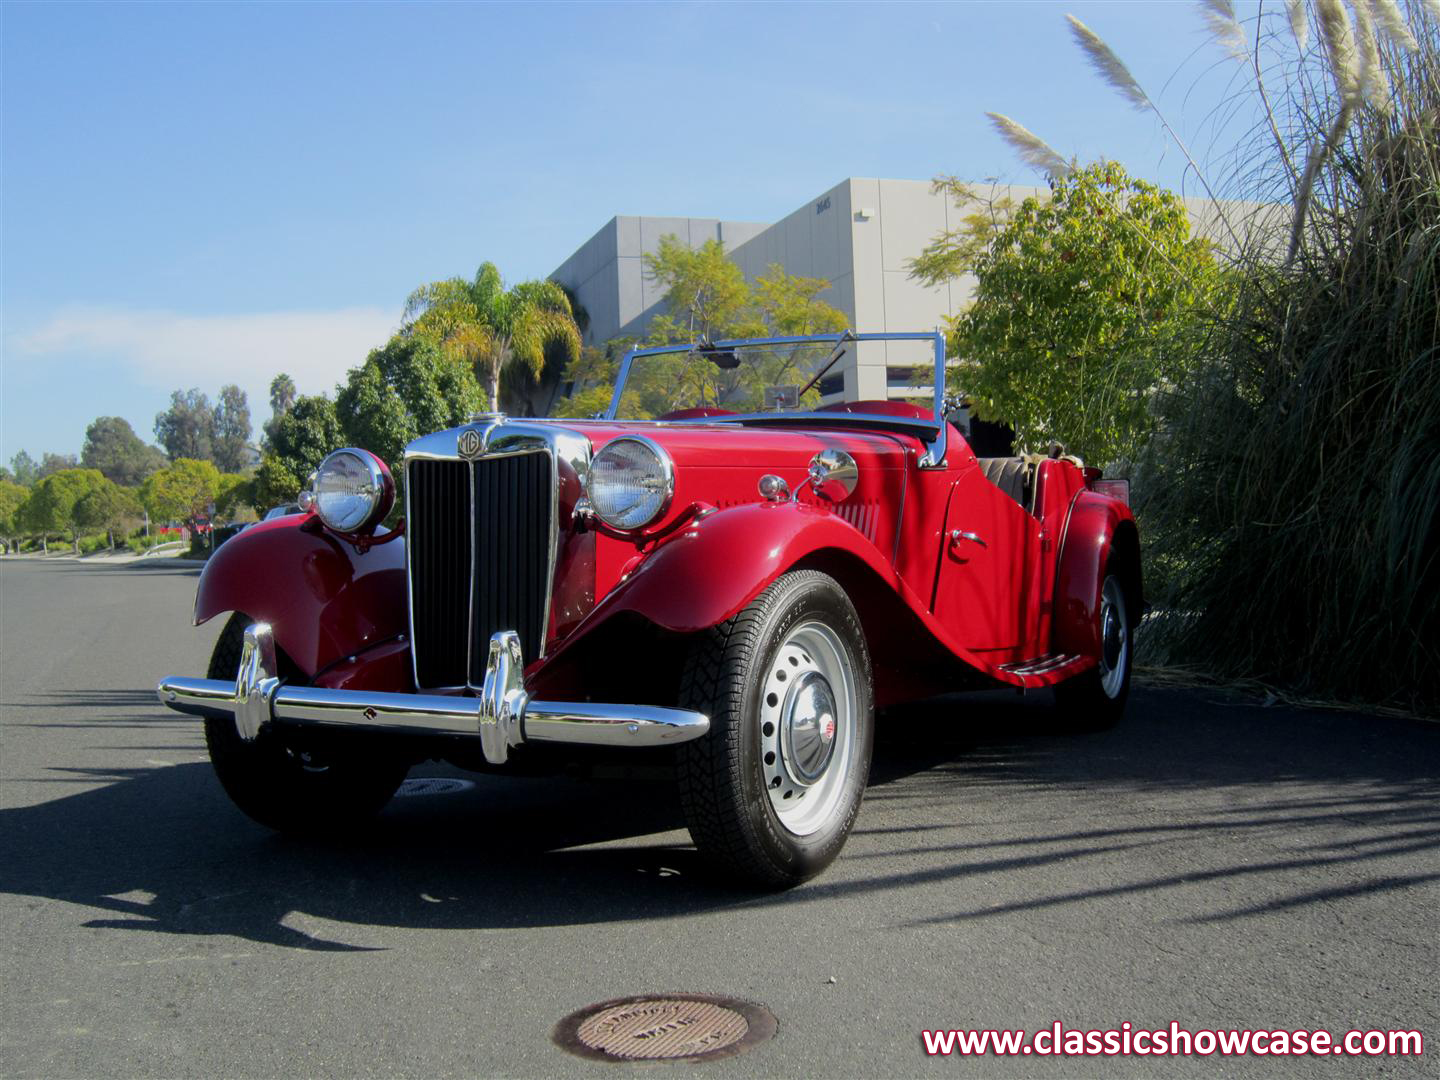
<point>196,195</point>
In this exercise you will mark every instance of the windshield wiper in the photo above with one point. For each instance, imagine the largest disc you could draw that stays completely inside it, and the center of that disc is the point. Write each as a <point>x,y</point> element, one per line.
<point>834,358</point>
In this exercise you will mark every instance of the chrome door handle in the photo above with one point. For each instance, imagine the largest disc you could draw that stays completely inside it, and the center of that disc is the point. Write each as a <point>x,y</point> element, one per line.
<point>956,535</point>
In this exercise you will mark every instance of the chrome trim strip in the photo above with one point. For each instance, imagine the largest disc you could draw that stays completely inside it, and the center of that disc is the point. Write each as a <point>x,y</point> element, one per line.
<point>502,717</point>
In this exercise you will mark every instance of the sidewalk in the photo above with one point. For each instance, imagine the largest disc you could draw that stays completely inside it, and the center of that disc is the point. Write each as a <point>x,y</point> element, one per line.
<point>119,557</point>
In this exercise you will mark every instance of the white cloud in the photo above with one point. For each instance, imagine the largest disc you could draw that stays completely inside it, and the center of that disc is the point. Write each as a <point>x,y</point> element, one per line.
<point>168,350</point>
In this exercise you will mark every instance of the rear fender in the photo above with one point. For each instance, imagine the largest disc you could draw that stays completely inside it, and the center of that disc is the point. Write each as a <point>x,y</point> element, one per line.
<point>324,600</point>
<point>1097,526</point>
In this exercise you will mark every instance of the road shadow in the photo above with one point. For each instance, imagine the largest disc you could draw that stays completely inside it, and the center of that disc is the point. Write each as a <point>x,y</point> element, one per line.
<point>162,850</point>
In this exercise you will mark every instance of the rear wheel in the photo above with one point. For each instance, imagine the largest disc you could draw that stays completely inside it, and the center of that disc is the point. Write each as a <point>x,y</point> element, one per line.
<point>282,785</point>
<point>1096,699</point>
<point>773,789</point>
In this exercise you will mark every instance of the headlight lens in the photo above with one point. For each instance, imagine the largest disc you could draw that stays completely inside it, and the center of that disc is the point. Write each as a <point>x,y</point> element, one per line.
<point>352,491</point>
<point>631,481</point>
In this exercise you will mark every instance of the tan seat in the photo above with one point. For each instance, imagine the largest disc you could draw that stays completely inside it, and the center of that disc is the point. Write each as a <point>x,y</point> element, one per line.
<point>1010,475</point>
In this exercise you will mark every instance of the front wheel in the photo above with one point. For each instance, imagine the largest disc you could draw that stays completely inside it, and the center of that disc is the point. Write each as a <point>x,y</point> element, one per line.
<point>773,789</point>
<point>1096,699</point>
<point>287,787</point>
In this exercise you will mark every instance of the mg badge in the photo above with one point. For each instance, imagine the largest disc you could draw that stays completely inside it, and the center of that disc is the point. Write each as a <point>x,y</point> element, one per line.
<point>470,442</point>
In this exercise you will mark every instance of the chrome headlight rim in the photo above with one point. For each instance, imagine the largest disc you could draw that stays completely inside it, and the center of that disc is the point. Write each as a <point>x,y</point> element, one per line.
<point>667,484</point>
<point>380,489</point>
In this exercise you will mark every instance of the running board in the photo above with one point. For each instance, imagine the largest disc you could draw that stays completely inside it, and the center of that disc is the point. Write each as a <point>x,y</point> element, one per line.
<point>1048,669</point>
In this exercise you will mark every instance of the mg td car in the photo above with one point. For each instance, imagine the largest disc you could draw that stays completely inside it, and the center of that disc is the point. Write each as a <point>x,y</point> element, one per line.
<point>726,569</point>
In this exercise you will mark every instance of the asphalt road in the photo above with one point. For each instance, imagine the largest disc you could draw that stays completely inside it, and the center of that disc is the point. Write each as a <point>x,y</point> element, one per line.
<point>1210,861</point>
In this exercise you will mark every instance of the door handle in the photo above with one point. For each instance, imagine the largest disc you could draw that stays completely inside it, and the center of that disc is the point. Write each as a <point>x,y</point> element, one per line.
<point>956,535</point>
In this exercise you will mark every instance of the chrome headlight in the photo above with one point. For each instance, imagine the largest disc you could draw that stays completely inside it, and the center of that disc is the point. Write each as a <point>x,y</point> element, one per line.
<point>352,491</point>
<point>631,482</point>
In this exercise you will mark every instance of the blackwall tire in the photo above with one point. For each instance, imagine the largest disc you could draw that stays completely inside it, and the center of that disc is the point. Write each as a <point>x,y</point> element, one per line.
<point>773,790</point>
<point>1096,700</point>
<point>288,790</point>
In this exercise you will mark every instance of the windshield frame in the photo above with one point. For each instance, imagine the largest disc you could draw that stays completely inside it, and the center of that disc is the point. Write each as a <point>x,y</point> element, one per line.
<point>936,444</point>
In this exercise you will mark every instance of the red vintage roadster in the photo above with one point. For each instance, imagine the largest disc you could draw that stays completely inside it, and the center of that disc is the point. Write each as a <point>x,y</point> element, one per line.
<point>733,566</point>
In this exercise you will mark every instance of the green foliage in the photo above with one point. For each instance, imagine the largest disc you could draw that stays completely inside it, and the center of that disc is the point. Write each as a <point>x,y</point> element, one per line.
<point>235,495</point>
<point>1292,499</point>
<point>25,469</point>
<point>106,507</point>
<point>956,252</point>
<point>300,441</point>
<point>1084,308</point>
<point>51,464</point>
<point>232,430</point>
<point>706,295</point>
<point>12,498</point>
<point>491,329</point>
<point>182,491</point>
<point>708,299</point>
<point>403,391</point>
<point>187,428</point>
<point>282,397</point>
<point>112,446</point>
<point>51,505</point>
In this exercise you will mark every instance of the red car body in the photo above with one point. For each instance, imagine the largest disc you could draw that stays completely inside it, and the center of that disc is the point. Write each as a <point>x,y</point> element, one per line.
<point>788,572</point>
<point>1029,596</point>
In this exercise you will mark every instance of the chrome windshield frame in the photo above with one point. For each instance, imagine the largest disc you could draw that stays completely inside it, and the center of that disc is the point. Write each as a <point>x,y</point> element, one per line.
<point>934,456</point>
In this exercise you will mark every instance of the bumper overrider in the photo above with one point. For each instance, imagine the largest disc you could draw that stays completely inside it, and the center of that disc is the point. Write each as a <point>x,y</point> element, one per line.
<point>502,716</point>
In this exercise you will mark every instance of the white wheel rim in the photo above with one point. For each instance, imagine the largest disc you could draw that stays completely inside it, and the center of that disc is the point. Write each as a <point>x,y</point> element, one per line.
<point>1114,638</point>
<point>808,711</point>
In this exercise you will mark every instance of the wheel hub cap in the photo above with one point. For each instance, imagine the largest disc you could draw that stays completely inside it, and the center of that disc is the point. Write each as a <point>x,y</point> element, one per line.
<point>809,727</point>
<point>808,707</point>
<point>1111,630</point>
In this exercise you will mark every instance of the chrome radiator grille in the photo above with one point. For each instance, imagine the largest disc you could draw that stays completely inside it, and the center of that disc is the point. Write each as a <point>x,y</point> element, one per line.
<point>480,537</point>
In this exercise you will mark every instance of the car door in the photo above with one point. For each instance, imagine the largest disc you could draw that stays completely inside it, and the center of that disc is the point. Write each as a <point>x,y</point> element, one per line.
<point>986,588</point>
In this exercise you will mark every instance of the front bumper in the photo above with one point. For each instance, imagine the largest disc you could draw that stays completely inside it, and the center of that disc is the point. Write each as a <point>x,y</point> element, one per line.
<point>501,717</point>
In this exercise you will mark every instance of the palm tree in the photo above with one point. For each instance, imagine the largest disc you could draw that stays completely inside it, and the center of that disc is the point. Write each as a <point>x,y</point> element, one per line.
<point>490,327</point>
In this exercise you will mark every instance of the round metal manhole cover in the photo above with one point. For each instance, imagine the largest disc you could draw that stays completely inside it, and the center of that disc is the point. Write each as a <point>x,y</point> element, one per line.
<point>431,785</point>
<point>665,1027</point>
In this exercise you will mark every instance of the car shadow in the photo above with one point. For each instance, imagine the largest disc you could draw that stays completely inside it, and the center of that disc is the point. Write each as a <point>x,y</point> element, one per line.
<point>161,850</point>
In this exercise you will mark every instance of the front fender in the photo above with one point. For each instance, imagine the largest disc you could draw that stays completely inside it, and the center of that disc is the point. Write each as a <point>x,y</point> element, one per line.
<point>1096,525</point>
<point>715,567</point>
<point>324,600</point>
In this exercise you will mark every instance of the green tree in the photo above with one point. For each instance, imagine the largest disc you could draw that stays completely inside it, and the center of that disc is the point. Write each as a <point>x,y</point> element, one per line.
<point>51,506</point>
<point>708,299</point>
<point>50,464</point>
<point>231,430</point>
<point>1082,308</point>
<point>492,329</point>
<point>235,491</point>
<point>956,252</point>
<point>12,498</point>
<point>106,506</point>
<point>112,446</point>
<point>300,441</point>
<point>282,397</point>
<point>403,391</point>
<point>182,491</point>
<point>706,295</point>
<point>25,469</point>
<point>187,428</point>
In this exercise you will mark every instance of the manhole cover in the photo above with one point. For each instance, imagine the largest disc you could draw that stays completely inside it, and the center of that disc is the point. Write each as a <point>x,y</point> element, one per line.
<point>432,785</point>
<point>665,1027</point>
